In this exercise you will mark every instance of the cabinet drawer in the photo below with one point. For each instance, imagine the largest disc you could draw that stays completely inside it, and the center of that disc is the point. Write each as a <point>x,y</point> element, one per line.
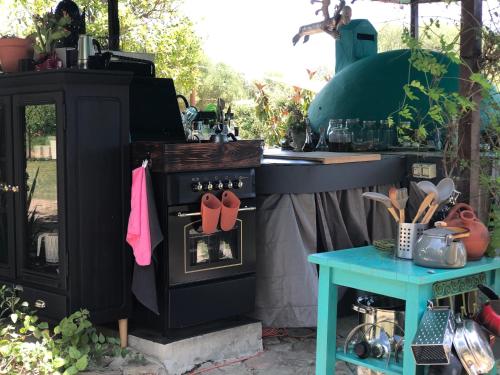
<point>49,305</point>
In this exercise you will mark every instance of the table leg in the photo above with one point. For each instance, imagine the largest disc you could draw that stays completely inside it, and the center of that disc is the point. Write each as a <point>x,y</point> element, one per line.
<point>326,344</point>
<point>416,303</point>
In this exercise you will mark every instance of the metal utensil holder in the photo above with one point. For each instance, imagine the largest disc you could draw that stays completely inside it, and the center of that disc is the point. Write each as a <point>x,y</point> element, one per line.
<point>408,235</point>
<point>434,338</point>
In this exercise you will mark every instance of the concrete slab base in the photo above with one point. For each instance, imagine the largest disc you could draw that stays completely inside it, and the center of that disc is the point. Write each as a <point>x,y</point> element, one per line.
<point>183,355</point>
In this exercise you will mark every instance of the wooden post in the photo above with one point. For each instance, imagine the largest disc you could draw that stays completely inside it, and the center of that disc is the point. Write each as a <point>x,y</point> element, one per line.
<point>113,25</point>
<point>414,19</point>
<point>123,331</point>
<point>469,128</point>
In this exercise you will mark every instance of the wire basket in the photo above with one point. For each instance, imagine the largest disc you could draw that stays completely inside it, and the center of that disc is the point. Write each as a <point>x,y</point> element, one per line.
<point>408,235</point>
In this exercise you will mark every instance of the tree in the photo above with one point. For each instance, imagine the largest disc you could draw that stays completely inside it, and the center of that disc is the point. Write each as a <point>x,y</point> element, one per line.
<point>221,81</point>
<point>389,36</point>
<point>146,26</point>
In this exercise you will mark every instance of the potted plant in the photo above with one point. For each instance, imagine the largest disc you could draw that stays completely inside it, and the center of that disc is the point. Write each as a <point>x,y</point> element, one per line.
<point>49,30</point>
<point>13,49</point>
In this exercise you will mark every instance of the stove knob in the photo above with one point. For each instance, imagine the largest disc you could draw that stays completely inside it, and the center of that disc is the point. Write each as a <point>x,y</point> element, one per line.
<point>228,184</point>
<point>208,186</point>
<point>197,186</point>
<point>238,184</point>
<point>219,185</point>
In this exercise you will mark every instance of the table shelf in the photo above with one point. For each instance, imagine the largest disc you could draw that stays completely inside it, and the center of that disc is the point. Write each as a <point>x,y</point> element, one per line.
<point>371,363</point>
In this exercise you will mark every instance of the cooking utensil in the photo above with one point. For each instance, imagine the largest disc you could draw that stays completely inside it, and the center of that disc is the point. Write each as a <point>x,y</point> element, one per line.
<point>428,187</point>
<point>488,292</point>
<point>384,199</point>
<point>441,248</point>
<point>445,188</point>
<point>393,196</point>
<point>430,212</point>
<point>429,198</point>
<point>473,348</point>
<point>386,312</point>
<point>402,197</point>
<point>434,338</point>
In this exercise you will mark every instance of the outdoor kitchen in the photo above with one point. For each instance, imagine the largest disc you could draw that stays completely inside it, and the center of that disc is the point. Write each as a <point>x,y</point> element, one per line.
<point>143,232</point>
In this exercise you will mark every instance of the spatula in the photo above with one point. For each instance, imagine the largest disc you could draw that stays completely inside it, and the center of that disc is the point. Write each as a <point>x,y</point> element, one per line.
<point>384,199</point>
<point>429,198</point>
<point>402,200</point>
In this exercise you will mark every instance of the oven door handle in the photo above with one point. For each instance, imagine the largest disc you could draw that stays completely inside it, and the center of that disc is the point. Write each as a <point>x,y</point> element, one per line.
<point>188,214</point>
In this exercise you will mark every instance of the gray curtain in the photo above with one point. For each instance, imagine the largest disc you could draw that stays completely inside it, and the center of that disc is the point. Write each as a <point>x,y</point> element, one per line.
<point>292,226</point>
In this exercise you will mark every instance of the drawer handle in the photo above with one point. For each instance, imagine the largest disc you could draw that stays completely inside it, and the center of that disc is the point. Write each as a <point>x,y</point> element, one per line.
<point>184,214</point>
<point>40,304</point>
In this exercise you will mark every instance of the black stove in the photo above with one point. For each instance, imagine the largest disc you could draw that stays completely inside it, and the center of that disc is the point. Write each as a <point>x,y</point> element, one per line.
<point>201,278</point>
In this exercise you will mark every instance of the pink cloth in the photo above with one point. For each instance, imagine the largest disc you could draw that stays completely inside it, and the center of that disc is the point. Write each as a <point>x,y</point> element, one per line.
<point>138,233</point>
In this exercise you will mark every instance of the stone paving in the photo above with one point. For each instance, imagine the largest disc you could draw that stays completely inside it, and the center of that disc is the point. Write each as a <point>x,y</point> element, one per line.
<point>290,354</point>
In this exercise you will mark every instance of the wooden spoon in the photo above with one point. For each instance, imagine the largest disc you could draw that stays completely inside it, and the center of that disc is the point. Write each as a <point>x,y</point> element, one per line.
<point>393,196</point>
<point>384,199</point>
<point>429,198</point>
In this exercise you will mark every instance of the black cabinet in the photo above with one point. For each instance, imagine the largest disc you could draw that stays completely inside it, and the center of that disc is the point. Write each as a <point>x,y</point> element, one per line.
<point>64,200</point>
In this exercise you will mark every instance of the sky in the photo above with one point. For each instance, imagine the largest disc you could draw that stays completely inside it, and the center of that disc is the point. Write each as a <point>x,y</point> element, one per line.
<point>255,36</point>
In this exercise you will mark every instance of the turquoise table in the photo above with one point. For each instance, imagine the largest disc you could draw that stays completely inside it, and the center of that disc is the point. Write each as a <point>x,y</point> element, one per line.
<point>374,271</point>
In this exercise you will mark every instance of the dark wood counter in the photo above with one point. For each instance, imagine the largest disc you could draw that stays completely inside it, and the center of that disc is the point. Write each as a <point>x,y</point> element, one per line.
<point>297,177</point>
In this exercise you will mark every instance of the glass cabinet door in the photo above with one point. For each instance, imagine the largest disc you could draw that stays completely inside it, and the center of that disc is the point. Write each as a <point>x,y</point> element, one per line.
<point>39,172</point>
<point>7,191</point>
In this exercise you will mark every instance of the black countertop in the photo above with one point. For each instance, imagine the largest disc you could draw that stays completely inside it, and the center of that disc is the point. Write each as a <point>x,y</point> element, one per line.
<point>298,177</point>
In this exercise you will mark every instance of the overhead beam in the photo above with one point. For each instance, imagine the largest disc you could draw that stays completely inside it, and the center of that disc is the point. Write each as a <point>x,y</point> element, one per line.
<point>414,19</point>
<point>113,25</point>
<point>469,131</point>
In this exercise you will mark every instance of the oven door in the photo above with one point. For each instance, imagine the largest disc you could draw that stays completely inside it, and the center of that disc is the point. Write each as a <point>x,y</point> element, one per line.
<point>195,256</point>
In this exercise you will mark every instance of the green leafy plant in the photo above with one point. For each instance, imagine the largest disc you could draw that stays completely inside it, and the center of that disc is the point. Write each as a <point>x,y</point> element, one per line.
<point>28,346</point>
<point>49,29</point>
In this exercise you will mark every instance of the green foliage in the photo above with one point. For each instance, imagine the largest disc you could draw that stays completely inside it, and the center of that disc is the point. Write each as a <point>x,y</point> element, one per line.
<point>145,26</point>
<point>28,346</point>
<point>49,30</point>
<point>221,81</point>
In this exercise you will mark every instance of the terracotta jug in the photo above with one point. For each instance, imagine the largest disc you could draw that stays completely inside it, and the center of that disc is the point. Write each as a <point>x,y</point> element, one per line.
<point>462,215</point>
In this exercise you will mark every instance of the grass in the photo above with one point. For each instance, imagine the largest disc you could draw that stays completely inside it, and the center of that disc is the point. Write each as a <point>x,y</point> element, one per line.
<point>46,185</point>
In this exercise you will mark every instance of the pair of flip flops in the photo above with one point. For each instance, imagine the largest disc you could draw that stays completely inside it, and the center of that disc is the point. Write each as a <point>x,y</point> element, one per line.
<point>213,208</point>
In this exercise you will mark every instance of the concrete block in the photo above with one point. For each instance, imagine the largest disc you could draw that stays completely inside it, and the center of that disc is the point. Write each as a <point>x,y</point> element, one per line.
<point>181,356</point>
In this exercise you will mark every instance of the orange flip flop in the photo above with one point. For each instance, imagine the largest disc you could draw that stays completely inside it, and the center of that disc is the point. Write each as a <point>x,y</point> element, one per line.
<point>229,212</point>
<point>210,212</point>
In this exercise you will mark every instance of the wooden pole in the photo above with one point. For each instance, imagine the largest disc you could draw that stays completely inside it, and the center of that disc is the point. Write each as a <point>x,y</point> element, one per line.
<point>113,25</point>
<point>469,128</point>
<point>414,19</point>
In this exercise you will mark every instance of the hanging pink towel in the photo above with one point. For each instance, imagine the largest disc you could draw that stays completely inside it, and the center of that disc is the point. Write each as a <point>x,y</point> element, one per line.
<point>138,233</point>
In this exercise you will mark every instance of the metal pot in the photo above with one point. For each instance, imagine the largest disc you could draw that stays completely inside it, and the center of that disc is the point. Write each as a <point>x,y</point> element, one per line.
<point>386,312</point>
<point>441,248</point>
<point>473,348</point>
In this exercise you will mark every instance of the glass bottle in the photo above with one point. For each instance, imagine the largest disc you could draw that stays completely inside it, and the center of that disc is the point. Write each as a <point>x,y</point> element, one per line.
<point>322,144</point>
<point>308,144</point>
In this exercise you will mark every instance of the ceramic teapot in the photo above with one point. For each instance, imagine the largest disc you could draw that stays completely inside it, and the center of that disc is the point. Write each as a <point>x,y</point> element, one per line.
<point>462,215</point>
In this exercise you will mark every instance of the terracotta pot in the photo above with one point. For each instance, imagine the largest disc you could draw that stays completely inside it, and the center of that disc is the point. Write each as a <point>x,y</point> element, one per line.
<point>12,50</point>
<point>462,215</point>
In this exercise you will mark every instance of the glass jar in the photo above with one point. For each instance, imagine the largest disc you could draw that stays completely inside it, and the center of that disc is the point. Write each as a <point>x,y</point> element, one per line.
<point>370,132</point>
<point>335,135</point>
